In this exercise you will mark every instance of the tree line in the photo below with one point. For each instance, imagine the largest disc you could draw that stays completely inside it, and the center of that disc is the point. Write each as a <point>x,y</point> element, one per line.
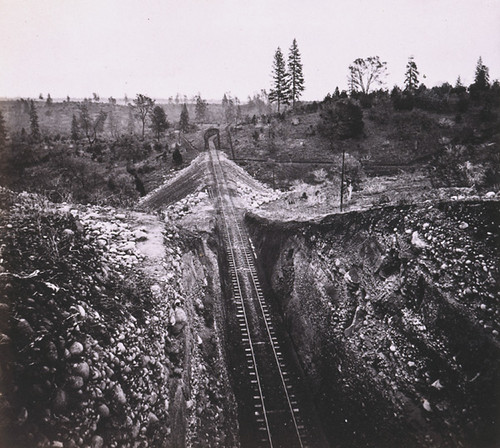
<point>365,76</point>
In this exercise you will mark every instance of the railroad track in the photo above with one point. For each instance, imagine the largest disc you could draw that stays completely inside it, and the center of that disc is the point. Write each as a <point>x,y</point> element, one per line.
<point>276,412</point>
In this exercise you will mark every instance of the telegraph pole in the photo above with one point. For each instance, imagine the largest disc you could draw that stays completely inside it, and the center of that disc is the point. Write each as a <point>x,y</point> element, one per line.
<point>342,181</point>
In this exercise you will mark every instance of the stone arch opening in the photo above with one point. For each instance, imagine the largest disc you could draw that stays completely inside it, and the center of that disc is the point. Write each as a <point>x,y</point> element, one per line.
<point>209,133</point>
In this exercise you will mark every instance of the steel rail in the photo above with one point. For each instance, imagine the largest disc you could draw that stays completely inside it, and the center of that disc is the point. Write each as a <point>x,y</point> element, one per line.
<point>244,242</point>
<point>240,294</point>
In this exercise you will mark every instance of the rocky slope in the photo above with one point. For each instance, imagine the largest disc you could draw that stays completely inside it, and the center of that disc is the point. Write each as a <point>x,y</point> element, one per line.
<point>108,330</point>
<point>394,314</point>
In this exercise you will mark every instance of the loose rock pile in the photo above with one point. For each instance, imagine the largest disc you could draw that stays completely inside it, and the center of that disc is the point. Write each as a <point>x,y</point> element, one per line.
<point>399,318</point>
<point>83,330</point>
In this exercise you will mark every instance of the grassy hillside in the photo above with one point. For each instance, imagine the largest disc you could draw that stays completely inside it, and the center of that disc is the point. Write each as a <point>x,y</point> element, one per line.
<point>391,141</point>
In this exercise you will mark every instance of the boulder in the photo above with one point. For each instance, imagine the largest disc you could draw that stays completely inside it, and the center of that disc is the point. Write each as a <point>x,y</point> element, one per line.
<point>118,395</point>
<point>103,410</point>
<point>81,369</point>
<point>60,400</point>
<point>75,382</point>
<point>76,349</point>
<point>418,242</point>
<point>97,442</point>
<point>140,235</point>
<point>181,320</point>
<point>25,329</point>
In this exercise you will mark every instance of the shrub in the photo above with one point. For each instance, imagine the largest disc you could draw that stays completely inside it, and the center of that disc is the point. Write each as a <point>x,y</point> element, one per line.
<point>366,101</point>
<point>177,156</point>
<point>342,120</point>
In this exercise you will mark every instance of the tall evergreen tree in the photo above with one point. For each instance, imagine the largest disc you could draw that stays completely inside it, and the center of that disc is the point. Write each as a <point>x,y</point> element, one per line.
<point>411,76</point>
<point>294,73</point>
<point>228,107</point>
<point>280,92</point>
<point>159,123</point>
<point>34,126</point>
<point>200,109</point>
<point>482,76</point>
<point>238,108</point>
<point>184,119</point>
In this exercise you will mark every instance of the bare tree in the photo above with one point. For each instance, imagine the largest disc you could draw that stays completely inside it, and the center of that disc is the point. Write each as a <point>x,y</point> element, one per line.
<point>91,126</point>
<point>365,73</point>
<point>143,105</point>
<point>113,121</point>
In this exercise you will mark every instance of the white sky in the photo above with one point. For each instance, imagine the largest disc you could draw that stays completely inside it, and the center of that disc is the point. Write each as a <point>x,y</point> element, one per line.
<point>160,47</point>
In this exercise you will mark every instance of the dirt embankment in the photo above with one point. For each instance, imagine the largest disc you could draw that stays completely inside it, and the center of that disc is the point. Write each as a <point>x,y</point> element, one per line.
<point>108,333</point>
<point>395,318</point>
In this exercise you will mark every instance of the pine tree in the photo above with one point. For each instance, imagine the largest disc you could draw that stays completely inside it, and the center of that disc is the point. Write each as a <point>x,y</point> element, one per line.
<point>200,109</point>
<point>225,101</point>
<point>34,126</point>
<point>159,123</point>
<point>280,92</point>
<point>184,119</point>
<point>294,73</point>
<point>411,76</point>
<point>482,76</point>
<point>228,107</point>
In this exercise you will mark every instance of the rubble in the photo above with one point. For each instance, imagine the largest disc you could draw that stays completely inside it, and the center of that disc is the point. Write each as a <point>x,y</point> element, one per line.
<point>394,313</point>
<point>93,338</point>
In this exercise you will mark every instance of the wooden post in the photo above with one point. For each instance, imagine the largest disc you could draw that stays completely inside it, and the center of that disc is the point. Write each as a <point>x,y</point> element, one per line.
<point>342,181</point>
<point>230,141</point>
